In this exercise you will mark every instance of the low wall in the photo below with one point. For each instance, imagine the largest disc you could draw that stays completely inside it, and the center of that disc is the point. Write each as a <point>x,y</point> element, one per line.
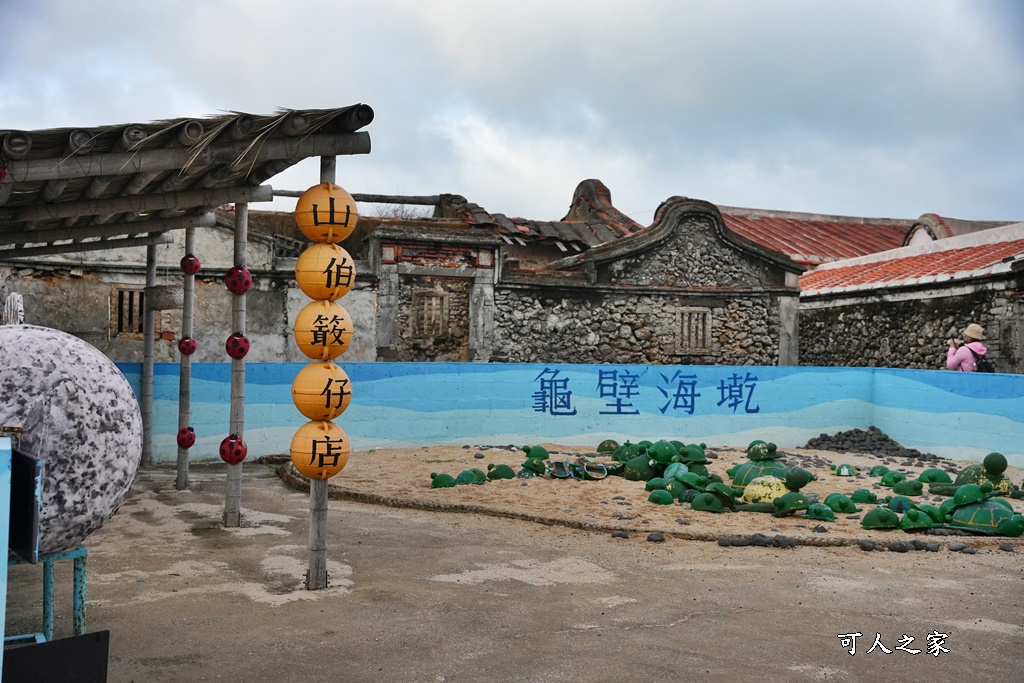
<point>951,414</point>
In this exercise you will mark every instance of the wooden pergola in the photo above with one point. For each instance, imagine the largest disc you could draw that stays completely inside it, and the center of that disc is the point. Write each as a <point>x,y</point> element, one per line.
<point>67,190</point>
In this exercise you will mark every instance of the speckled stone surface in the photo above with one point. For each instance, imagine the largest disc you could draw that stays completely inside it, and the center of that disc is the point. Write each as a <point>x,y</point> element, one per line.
<point>81,417</point>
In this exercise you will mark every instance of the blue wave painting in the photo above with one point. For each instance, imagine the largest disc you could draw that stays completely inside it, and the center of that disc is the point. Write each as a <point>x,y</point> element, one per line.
<point>964,416</point>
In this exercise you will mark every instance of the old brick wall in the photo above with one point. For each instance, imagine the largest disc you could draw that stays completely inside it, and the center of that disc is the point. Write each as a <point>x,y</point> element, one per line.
<point>433,319</point>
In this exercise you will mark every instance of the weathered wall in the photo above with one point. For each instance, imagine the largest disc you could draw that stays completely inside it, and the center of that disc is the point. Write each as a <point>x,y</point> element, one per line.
<point>874,331</point>
<point>414,404</point>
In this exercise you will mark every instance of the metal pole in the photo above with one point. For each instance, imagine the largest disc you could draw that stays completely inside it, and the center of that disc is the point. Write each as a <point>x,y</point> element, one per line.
<point>48,600</point>
<point>316,572</point>
<point>149,352</point>
<point>185,368</point>
<point>233,495</point>
<point>79,597</point>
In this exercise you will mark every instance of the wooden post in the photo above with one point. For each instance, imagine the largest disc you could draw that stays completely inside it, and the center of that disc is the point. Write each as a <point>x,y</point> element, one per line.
<point>185,368</point>
<point>316,572</point>
<point>148,354</point>
<point>233,494</point>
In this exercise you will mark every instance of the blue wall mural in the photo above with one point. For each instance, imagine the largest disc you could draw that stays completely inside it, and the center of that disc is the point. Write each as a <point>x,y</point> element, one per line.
<point>951,414</point>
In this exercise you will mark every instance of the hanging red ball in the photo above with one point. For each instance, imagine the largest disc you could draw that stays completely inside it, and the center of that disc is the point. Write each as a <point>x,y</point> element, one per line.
<point>187,346</point>
<point>190,264</point>
<point>233,449</point>
<point>237,345</point>
<point>186,437</point>
<point>238,281</point>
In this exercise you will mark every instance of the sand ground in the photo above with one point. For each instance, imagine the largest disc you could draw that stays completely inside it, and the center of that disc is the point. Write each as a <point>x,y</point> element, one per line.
<point>505,582</point>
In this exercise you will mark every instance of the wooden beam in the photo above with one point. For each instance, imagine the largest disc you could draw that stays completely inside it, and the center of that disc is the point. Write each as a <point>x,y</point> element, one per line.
<point>431,200</point>
<point>78,247</point>
<point>237,154</point>
<point>142,204</point>
<point>112,230</point>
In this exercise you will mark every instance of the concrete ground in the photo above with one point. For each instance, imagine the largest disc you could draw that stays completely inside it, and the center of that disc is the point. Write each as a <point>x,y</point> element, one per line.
<point>431,597</point>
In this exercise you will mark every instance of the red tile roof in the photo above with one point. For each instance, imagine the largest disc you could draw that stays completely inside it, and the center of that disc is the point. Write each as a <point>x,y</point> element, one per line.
<point>811,239</point>
<point>959,258</point>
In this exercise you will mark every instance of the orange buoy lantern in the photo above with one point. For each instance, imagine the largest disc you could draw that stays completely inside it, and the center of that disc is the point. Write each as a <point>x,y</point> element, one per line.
<point>325,271</point>
<point>321,391</point>
<point>323,330</point>
<point>326,213</point>
<point>319,449</point>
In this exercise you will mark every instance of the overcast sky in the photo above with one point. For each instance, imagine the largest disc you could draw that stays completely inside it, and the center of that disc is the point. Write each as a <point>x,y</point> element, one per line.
<point>854,107</point>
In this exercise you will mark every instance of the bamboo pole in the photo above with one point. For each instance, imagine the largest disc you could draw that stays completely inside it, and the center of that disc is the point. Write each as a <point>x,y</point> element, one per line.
<point>316,572</point>
<point>207,219</point>
<point>149,351</point>
<point>185,368</point>
<point>233,496</point>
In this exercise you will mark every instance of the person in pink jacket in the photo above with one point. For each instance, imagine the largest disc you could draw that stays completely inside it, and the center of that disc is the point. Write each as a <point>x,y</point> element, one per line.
<point>959,356</point>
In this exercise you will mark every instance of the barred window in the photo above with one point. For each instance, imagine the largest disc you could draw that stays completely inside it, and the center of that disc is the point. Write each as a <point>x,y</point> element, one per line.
<point>694,325</point>
<point>430,311</point>
<point>127,313</point>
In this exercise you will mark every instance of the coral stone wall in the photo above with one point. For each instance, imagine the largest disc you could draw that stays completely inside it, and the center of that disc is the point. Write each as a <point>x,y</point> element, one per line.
<point>908,334</point>
<point>433,319</point>
<point>533,326</point>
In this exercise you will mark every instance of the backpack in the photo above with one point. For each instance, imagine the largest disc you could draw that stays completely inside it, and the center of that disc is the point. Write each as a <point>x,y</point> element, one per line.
<point>981,364</point>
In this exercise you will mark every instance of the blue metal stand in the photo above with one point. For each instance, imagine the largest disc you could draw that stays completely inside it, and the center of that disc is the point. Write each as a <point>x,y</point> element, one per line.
<point>78,555</point>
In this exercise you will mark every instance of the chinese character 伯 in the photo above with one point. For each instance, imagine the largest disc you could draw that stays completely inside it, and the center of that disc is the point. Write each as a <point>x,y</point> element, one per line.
<point>553,395</point>
<point>683,396</point>
<point>338,274</point>
<point>733,393</point>
<point>620,386</point>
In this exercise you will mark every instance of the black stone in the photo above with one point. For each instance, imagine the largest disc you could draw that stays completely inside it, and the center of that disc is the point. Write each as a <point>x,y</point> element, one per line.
<point>957,546</point>
<point>932,547</point>
<point>899,546</point>
<point>866,545</point>
<point>656,537</point>
<point>1006,548</point>
<point>820,529</point>
<point>620,534</point>
<point>760,540</point>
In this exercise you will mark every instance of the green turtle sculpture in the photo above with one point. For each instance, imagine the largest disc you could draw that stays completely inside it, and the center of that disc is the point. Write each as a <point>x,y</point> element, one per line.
<point>693,454</point>
<point>675,470</point>
<point>531,468</point>
<point>655,483</point>
<point>976,508</point>
<point>639,468</point>
<point>797,477</point>
<point>676,488</point>
<point>991,470</point>
<point>788,503</point>
<point>724,492</point>
<point>844,470</point>
<point>838,502</point>
<point>694,481</point>
<point>864,497</point>
<point>878,470</point>
<point>500,472</point>
<point>933,475</point>
<point>744,473</point>
<point>660,497</point>
<point>760,450</point>
<point>908,487</point>
<point>880,518</point>
<point>536,452</point>
<point>915,520</point>
<point>473,475</point>
<point>707,502</point>
<point>820,512</point>
<point>663,452</point>
<point>607,446</point>
<point>899,503</point>
<point>892,477</point>
<point>441,480</point>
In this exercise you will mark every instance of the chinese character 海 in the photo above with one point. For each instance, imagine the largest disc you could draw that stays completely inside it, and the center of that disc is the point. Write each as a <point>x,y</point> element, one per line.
<point>734,391</point>
<point>684,394</point>
<point>553,396</point>
<point>620,386</point>
<point>935,641</point>
<point>850,640</point>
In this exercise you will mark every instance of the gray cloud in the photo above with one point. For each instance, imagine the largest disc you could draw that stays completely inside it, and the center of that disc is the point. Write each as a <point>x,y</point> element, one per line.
<point>860,107</point>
